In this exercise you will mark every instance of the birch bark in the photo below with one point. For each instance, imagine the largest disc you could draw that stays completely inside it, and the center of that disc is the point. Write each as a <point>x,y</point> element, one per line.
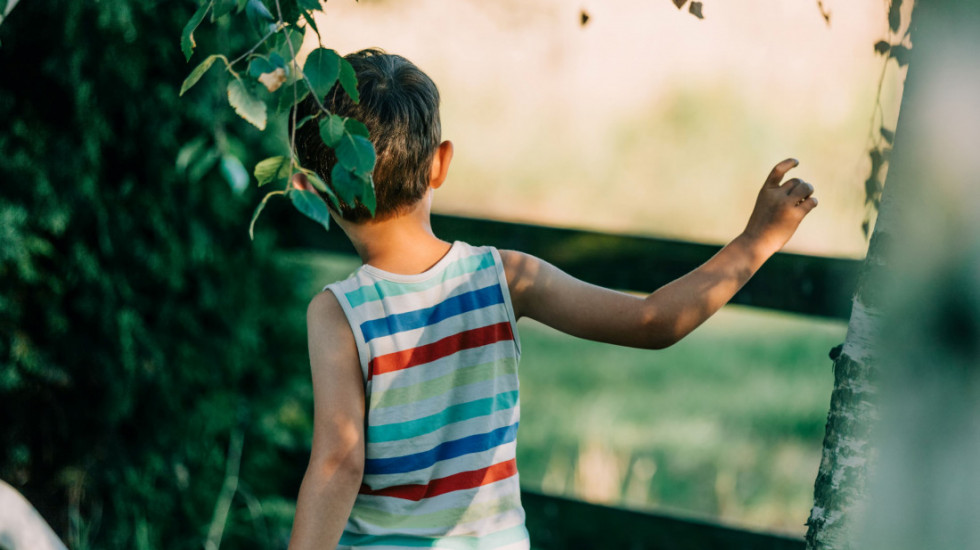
<point>849,454</point>
<point>915,326</point>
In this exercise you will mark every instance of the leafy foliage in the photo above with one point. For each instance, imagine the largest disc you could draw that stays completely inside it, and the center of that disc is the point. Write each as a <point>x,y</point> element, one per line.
<point>694,8</point>
<point>271,65</point>
<point>898,47</point>
<point>140,329</point>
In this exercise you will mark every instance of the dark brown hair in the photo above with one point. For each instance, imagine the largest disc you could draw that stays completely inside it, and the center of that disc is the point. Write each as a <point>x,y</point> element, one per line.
<point>399,104</point>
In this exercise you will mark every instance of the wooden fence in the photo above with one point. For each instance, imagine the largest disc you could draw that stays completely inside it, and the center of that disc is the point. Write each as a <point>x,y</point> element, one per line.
<point>795,283</point>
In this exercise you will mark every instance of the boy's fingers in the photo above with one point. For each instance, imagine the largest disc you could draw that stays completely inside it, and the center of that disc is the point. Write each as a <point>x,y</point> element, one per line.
<point>790,185</point>
<point>800,189</point>
<point>808,204</point>
<point>779,171</point>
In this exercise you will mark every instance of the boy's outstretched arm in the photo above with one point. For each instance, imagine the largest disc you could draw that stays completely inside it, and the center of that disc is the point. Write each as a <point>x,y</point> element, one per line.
<point>336,466</point>
<point>543,292</point>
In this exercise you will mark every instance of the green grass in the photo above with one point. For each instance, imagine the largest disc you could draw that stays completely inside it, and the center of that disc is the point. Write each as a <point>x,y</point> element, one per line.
<point>726,424</point>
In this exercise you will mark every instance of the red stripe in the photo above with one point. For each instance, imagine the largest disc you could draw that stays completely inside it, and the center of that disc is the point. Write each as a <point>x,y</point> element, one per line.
<point>455,482</point>
<point>449,345</point>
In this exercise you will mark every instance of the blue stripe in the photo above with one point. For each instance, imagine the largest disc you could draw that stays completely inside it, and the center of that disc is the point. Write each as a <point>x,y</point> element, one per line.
<point>468,301</point>
<point>445,451</point>
<point>445,417</point>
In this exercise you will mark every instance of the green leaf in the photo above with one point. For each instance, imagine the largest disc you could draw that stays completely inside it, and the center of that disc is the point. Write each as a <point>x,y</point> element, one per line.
<point>199,71</point>
<point>312,23</point>
<point>368,199</point>
<point>259,66</point>
<point>901,54</point>
<point>322,69</point>
<point>281,45</point>
<point>187,43</point>
<point>353,187</point>
<point>258,210</point>
<point>315,180</point>
<point>311,205</point>
<point>304,120</point>
<point>356,127</point>
<point>241,5</point>
<point>332,130</point>
<point>277,60</point>
<point>348,79</point>
<point>889,135</point>
<point>345,183</point>
<point>286,99</point>
<point>355,153</point>
<point>308,4</point>
<point>202,165</point>
<point>895,15</point>
<point>246,105</point>
<point>189,152</point>
<point>695,10</point>
<point>882,47</point>
<point>234,173</point>
<point>222,7</point>
<point>321,186</point>
<point>272,169</point>
<point>259,15</point>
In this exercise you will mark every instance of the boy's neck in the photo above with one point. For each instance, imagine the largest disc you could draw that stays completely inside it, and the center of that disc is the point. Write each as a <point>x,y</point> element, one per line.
<point>404,244</point>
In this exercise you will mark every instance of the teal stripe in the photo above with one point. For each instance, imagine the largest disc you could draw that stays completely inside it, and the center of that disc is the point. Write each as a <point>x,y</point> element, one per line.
<point>449,415</point>
<point>373,292</point>
<point>488,542</point>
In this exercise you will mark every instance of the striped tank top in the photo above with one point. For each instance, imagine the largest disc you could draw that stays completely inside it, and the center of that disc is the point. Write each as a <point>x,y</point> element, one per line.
<point>439,353</point>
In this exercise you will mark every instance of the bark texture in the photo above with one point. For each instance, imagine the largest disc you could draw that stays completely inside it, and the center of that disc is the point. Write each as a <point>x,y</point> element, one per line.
<point>926,491</point>
<point>909,480</point>
<point>849,453</point>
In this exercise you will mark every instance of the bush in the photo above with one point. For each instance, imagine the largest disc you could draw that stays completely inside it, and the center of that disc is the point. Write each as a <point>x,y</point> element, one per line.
<point>141,330</point>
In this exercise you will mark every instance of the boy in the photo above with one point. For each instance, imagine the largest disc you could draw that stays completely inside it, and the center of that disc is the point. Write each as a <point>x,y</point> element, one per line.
<point>414,357</point>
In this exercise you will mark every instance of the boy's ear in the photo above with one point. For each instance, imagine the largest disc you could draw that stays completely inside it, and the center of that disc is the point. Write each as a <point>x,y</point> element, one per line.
<point>440,164</point>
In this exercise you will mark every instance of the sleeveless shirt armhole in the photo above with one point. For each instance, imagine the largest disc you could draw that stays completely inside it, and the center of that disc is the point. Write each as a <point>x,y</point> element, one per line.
<point>502,278</point>
<point>363,355</point>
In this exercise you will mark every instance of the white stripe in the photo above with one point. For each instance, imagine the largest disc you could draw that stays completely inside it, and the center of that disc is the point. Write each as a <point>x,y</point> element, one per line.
<point>482,526</point>
<point>428,407</point>
<point>503,350</point>
<point>421,299</point>
<point>492,524</point>
<point>408,339</point>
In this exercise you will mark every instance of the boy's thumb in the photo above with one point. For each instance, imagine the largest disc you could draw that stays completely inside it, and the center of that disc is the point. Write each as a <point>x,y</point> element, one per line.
<point>776,176</point>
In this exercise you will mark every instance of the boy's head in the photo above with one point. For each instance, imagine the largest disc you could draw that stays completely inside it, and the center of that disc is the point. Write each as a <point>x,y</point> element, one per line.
<point>399,104</point>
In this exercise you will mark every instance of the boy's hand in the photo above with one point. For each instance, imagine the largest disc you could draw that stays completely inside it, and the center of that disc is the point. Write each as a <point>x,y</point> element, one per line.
<point>779,209</point>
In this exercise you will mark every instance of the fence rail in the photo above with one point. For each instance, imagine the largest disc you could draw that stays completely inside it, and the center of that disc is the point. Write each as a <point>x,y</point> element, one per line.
<point>557,523</point>
<point>794,283</point>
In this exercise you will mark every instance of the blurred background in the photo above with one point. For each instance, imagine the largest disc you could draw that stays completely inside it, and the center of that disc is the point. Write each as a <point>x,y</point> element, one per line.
<point>154,383</point>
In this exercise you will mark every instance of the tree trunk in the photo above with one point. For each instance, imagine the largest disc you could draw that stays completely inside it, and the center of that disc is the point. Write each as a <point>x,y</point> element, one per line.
<point>848,454</point>
<point>915,326</point>
<point>926,490</point>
